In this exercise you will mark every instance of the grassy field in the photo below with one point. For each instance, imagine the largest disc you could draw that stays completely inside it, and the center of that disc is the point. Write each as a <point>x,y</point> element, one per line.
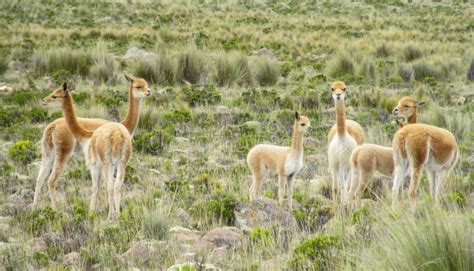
<point>224,77</point>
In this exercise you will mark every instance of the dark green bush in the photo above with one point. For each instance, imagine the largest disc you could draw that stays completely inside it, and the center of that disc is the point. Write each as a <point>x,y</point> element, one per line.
<point>197,95</point>
<point>316,253</point>
<point>38,114</point>
<point>23,152</point>
<point>219,207</point>
<point>38,221</point>
<point>154,142</point>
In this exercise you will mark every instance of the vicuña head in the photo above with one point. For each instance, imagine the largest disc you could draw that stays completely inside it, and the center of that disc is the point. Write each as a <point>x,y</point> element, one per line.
<point>406,110</point>
<point>55,99</point>
<point>302,123</point>
<point>139,87</point>
<point>338,91</point>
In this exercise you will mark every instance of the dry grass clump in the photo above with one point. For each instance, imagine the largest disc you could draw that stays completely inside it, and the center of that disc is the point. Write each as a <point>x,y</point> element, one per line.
<point>266,71</point>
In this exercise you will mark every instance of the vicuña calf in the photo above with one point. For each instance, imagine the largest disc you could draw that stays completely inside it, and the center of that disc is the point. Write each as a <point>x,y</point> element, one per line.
<point>285,161</point>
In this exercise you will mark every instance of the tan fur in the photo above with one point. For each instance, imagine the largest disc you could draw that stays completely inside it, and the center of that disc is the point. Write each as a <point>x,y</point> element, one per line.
<point>285,161</point>
<point>368,158</point>
<point>343,138</point>
<point>107,150</point>
<point>418,146</point>
<point>58,143</point>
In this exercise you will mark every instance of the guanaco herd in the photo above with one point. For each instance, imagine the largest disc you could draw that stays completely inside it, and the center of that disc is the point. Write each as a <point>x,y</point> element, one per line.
<point>107,148</point>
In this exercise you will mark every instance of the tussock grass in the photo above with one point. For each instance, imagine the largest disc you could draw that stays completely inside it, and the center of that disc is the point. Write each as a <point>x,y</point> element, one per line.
<point>430,239</point>
<point>191,65</point>
<point>76,62</point>
<point>232,68</point>
<point>104,68</point>
<point>340,65</point>
<point>411,52</point>
<point>266,71</point>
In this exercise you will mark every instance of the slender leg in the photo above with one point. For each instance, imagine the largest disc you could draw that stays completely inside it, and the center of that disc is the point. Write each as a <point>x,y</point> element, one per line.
<point>354,183</point>
<point>399,176</point>
<point>281,188</point>
<point>414,183</point>
<point>118,186</point>
<point>108,172</point>
<point>96,176</point>
<point>59,162</point>
<point>47,161</point>
<point>440,179</point>
<point>432,181</point>
<point>363,181</point>
<point>290,191</point>
<point>335,184</point>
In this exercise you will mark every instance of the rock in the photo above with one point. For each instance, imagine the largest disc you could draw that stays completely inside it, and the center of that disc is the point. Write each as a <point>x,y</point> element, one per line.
<point>71,259</point>
<point>183,216</point>
<point>309,70</point>
<point>136,52</point>
<point>182,234</point>
<point>192,266</point>
<point>6,89</point>
<point>218,254</point>
<point>252,123</point>
<point>266,53</point>
<point>229,237</point>
<point>263,212</point>
<point>139,252</point>
<point>4,227</point>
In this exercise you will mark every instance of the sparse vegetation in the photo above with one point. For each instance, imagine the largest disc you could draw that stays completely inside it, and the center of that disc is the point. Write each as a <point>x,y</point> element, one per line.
<point>215,94</point>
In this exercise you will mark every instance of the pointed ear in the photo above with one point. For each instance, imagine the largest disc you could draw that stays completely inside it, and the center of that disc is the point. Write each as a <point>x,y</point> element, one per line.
<point>418,104</point>
<point>297,115</point>
<point>65,87</point>
<point>129,78</point>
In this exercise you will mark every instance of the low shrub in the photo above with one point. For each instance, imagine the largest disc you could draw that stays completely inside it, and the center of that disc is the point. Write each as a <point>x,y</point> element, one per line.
<point>316,253</point>
<point>197,95</point>
<point>154,142</point>
<point>23,152</point>
<point>156,225</point>
<point>219,207</point>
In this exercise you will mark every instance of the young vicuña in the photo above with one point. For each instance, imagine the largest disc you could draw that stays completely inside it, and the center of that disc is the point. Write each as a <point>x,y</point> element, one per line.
<point>285,161</point>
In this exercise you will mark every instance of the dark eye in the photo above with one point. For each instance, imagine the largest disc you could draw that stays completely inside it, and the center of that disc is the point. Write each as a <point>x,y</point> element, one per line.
<point>303,124</point>
<point>344,89</point>
<point>54,97</point>
<point>406,106</point>
<point>332,89</point>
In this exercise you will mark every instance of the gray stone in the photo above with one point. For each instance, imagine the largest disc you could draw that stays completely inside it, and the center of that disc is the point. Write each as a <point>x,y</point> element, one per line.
<point>229,237</point>
<point>71,259</point>
<point>263,212</point>
<point>266,53</point>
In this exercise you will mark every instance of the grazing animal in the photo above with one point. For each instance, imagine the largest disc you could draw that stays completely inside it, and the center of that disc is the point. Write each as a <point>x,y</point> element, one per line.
<point>343,138</point>
<point>106,150</point>
<point>285,161</point>
<point>58,143</point>
<point>368,158</point>
<point>418,146</point>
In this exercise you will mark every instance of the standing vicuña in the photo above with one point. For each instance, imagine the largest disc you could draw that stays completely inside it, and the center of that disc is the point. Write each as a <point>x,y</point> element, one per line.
<point>285,161</point>
<point>58,143</point>
<point>343,138</point>
<point>416,146</point>
<point>106,150</point>
<point>368,158</point>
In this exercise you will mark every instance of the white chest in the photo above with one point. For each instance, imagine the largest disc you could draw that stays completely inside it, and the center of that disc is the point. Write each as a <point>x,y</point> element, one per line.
<point>293,164</point>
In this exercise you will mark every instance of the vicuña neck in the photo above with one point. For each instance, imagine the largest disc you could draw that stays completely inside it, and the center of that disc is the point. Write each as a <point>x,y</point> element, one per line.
<point>340,117</point>
<point>76,129</point>
<point>297,141</point>
<point>131,121</point>
<point>412,118</point>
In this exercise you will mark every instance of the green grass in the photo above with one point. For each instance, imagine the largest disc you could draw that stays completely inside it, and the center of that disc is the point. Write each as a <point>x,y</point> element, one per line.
<point>213,99</point>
